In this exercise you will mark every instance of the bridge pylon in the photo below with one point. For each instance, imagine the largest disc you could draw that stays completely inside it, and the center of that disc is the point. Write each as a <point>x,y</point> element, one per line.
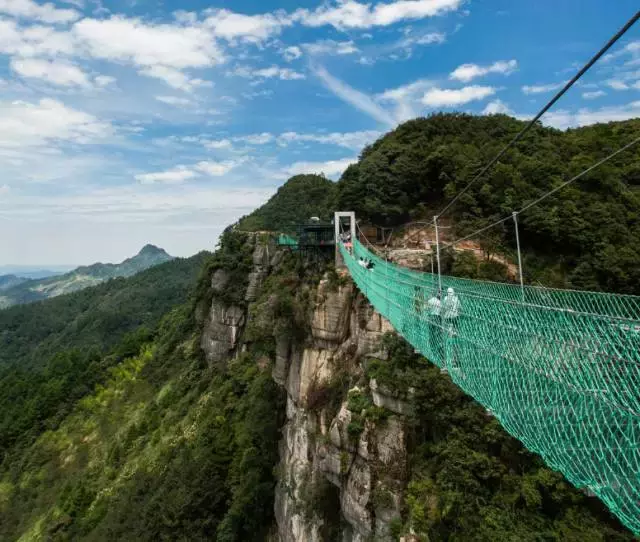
<point>338,220</point>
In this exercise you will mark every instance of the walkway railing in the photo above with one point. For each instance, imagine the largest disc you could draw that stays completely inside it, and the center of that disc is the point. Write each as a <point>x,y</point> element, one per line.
<point>560,369</point>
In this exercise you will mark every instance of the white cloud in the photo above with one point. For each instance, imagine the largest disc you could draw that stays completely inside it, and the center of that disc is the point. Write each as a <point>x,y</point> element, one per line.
<point>57,72</point>
<point>280,73</point>
<point>407,98</point>
<point>47,13</point>
<point>104,80</point>
<point>146,44</point>
<point>291,53</point>
<point>173,77</point>
<point>47,122</point>
<point>215,169</point>
<point>174,100</point>
<point>497,107</point>
<point>564,119</point>
<point>257,94</point>
<point>353,14</point>
<point>437,97</point>
<point>266,73</point>
<point>182,173</point>
<point>176,175</point>
<point>617,85</point>
<point>422,39</point>
<point>330,47</point>
<point>4,189</point>
<point>34,40</point>
<point>358,99</point>
<point>219,144</point>
<point>592,95</point>
<point>467,72</point>
<point>331,168</point>
<point>254,28</point>
<point>349,140</point>
<point>632,48</point>
<point>539,89</point>
<point>256,139</point>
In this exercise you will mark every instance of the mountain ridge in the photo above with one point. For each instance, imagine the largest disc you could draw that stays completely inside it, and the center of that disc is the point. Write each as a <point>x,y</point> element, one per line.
<point>31,290</point>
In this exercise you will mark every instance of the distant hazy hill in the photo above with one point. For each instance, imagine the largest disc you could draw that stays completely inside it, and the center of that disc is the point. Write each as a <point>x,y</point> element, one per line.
<point>35,271</point>
<point>9,281</point>
<point>17,290</point>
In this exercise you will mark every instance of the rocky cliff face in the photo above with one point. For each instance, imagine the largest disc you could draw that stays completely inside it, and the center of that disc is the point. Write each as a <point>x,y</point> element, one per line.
<point>341,473</point>
<point>338,480</point>
<point>355,411</point>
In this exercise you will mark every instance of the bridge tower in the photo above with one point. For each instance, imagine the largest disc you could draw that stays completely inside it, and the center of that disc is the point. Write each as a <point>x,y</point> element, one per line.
<point>342,217</point>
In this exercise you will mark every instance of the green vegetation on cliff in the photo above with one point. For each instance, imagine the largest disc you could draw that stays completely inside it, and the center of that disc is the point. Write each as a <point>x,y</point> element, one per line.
<point>585,236</point>
<point>300,198</point>
<point>165,447</point>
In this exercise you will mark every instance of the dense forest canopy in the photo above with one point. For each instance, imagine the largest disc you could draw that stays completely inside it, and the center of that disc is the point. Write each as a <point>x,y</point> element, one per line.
<point>300,198</point>
<point>585,236</point>
<point>54,352</point>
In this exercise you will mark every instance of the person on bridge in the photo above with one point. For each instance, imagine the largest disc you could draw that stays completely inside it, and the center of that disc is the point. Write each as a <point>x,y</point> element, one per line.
<point>434,308</point>
<point>434,305</point>
<point>451,311</point>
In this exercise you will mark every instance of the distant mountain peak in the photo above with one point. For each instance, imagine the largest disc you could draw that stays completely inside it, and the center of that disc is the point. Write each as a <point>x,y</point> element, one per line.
<point>150,250</point>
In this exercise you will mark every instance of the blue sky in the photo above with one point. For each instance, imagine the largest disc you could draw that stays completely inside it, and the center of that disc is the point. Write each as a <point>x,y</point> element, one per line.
<point>133,121</point>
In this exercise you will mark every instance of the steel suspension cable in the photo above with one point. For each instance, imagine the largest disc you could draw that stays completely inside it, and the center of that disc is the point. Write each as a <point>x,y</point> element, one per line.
<point>548,106</point>
<point>549,193</point>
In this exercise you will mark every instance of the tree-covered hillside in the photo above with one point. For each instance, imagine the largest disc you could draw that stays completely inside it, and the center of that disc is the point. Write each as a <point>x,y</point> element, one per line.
<point>585,236</point>
<point>166,447</point>
<point>300,198</point>
<point>590,231</point>
<point>54,352</point>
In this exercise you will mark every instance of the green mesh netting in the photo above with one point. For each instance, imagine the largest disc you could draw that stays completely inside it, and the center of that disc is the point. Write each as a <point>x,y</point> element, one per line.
<point>560,369</point>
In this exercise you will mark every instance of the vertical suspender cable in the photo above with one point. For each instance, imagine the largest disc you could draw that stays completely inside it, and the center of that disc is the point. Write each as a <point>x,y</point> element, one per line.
<point>435,223</point>
<point>515,221</point>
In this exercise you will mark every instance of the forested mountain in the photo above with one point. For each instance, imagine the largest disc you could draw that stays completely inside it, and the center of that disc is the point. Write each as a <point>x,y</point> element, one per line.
<point>27,291</point>
<point>55,351</point>
<point>300,198</point>
<point>9,281</point>
<point>585,236</point>
<point>266,399</point>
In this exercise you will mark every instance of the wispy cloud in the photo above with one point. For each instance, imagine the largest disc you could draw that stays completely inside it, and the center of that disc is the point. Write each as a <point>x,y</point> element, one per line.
<point>540,89</point>
<point>352,14</point>
<point>566,119</point>
<point>357,99</point>
<point>331,168</point>
<point>496,107</point>
<point>438,97</point>
<point>592,95</point>
<point>182,173</point>
<point>467,72</point>
<point>407,99</point>
<point>349,140</point>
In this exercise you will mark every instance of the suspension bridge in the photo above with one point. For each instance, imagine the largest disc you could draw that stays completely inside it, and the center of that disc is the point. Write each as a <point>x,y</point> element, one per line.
<point>560,369</point>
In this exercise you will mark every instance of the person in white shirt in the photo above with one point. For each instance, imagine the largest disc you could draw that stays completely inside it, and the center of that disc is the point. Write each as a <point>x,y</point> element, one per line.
<point>451,311</point>
<point>434,305</point>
